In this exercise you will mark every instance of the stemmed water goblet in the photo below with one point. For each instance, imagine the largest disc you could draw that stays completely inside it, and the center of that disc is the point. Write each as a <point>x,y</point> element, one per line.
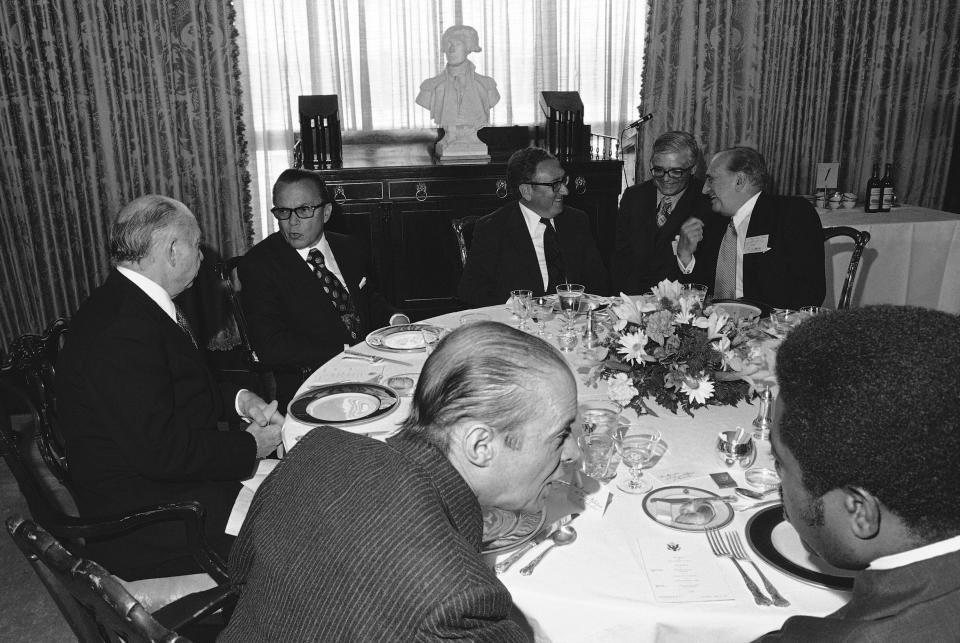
<point>637,449</point>
<point>571,296</point>
<point>541,311</point>
<point>520,303</point>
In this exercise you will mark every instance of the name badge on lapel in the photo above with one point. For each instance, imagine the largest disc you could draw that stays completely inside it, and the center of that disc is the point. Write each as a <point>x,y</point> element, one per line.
<point>756,244</point>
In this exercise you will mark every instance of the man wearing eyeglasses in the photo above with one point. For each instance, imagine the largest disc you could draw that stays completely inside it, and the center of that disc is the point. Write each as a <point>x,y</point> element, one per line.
<point>307,292</point>
<point>534,243</point>
<point>661,215</point>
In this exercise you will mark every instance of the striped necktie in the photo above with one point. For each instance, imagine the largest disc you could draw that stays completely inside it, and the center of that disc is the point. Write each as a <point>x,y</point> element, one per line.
<point>666,204</point>
<point>725,286</point>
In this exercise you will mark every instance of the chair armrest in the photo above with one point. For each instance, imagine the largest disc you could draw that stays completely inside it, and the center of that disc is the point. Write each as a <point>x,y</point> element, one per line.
<point>191,608</point>
<point>190,512</point>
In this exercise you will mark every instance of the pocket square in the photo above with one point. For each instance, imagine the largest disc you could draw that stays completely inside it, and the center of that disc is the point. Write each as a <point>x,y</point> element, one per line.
<point>363,282</point>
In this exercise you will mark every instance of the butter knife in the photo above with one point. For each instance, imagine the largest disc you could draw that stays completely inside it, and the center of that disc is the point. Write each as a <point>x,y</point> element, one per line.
<point>508,562</point>
<point>373,358</point>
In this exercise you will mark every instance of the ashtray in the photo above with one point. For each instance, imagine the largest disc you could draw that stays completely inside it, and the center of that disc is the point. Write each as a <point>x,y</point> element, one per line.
<point>762,478</point>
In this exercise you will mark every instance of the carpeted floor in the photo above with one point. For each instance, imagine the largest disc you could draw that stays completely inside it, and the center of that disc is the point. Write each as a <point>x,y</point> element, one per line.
<point>27,613</point>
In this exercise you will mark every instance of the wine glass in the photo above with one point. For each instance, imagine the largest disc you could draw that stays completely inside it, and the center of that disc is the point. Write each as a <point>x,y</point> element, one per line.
<point>542,311</point>
<point>570,295</point>
<point>636,450</point>
<point>521,302</point>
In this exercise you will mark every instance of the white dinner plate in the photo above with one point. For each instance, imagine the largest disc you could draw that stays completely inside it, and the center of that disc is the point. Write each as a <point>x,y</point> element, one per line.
<point>344,404</point>
<point>778,543</point>
<point>402,338</point>
<point>504,530</point>
<point>737,309</point>
<point>662,506</point>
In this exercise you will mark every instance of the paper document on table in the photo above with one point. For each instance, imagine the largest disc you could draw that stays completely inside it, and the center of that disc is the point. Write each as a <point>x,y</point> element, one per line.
<point>686,575</point>
<point>351,372</point>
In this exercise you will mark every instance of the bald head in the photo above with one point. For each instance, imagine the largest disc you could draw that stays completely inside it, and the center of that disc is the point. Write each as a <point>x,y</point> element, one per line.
<point>158,237</point>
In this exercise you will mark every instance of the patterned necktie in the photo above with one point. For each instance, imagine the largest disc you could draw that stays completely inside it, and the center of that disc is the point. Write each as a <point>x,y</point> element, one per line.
<point>185,326</point>
<point>725,286</point>
<point>666,204</point>
<point>339,296</point>
<point>551,252</point>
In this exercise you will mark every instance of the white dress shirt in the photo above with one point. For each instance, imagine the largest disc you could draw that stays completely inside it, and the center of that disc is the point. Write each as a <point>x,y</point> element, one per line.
<point>151,289</point>
<point>532,220</point>
<point>741,221</point>
<point>911,556</point>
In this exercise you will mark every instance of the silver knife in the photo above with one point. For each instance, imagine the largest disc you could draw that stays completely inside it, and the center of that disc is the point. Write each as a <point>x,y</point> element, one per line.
<point>507,562</point>
<point>373,358</point>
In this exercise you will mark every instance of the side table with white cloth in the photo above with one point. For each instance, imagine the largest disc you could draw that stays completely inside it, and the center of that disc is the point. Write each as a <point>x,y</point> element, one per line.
<point>627,577</point>
<point>913,257</point>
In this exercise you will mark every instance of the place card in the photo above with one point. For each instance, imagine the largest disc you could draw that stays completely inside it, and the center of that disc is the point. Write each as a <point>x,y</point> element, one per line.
<point>673,476</point>
<point>680,573</point>
<point>590,501</point>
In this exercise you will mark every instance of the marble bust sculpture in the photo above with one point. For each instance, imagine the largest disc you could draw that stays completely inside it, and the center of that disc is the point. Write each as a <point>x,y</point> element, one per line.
<point>459,99</point>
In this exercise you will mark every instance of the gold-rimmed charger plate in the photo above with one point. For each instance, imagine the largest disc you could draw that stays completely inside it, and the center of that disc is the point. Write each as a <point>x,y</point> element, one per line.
<point>402,338</point>
<point>504,530</point>
<point>344,404</point>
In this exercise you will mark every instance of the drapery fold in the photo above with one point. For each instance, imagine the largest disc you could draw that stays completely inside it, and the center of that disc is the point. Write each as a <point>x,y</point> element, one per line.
<point>856,82</point>
<point>101,102</point>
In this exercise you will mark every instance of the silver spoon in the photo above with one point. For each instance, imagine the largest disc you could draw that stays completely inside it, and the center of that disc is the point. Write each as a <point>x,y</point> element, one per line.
<point>562,536</point>
<point>755,495</point>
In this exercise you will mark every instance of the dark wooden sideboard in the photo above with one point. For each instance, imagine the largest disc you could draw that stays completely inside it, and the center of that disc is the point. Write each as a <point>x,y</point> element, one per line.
<point>393,194</point>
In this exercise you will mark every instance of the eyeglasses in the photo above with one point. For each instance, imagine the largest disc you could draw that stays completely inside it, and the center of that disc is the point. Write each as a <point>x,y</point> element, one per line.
<point>555,185</point>
<point>673,172</point>
<point>303,212</point>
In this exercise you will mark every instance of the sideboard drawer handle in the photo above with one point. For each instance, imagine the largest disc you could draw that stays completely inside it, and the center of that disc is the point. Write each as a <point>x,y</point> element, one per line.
<point>501,188</point>
<point>580,185</point>
<point>339,196</point>
<point>421,192</point>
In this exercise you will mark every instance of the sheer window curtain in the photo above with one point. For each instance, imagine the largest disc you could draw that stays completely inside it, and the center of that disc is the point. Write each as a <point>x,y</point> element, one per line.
<point>375,53</point>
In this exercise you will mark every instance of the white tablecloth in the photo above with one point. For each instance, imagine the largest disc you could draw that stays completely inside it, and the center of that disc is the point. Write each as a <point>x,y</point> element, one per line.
<point>596,589</point>
<point>913,258</point>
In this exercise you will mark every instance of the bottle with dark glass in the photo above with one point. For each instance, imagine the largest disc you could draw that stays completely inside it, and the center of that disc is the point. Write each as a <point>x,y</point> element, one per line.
<point>874,194</point>
<point>886,201</point>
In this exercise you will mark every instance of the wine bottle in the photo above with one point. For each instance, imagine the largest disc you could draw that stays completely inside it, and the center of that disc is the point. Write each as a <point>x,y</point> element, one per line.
<point>886,201</point>
<point>874,193</point>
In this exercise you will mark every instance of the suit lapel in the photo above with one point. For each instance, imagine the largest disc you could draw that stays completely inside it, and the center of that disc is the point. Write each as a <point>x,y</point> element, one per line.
<point>519,236</point>
<point>753,262</point>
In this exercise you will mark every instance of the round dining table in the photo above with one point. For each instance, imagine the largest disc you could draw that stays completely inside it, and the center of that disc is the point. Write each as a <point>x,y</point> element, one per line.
<point>627,577</point>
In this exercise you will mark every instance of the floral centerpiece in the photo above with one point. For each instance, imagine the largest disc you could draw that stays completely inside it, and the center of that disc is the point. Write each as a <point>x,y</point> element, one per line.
<point>666,347</point>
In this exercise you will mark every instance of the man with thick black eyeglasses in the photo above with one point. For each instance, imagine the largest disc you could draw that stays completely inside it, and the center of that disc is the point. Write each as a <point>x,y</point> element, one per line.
<point>307,292</point>
<point>659,215</point>
<point>534,243</point>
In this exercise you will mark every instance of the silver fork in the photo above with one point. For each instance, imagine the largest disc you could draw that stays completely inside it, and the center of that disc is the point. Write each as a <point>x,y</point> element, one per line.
<point>739,553</point>
<point>720,550</point>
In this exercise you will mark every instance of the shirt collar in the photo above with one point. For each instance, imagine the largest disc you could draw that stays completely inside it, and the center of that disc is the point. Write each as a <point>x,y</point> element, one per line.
<point>322,245</point>
<point>674,198</point>
<point>744,211</point>
<point>916,555</point>
<point>151,289</point>
<point>532,219</point>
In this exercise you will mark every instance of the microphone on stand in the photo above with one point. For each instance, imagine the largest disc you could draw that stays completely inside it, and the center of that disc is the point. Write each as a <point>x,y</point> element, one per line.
<point>640,121</point>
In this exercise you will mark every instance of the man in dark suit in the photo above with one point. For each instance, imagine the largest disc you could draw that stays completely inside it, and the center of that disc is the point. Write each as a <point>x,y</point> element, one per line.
<point>767,248</point>
<point>869,467</point>
<point>137,404</point>
<point>352,539</point>
<point>535,243</point>
<point>307,292</point>
<point>658,215</point>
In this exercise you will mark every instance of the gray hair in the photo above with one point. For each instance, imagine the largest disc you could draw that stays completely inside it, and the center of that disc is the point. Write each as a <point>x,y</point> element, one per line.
<point>485,371</point>
<point>468,35</point>
<point>522,165</point>
<point>750,162</point>
<point>136,225</point>
<point>677,142</point>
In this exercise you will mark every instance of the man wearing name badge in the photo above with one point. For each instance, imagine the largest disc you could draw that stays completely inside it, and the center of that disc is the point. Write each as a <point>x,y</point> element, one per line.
<point>353,539</point>
<point>866,440</point>
<point>534,243</point>
<point>658,215</point>
<point>138,406</point>
<point>307,292</point>
<point>767,248</point>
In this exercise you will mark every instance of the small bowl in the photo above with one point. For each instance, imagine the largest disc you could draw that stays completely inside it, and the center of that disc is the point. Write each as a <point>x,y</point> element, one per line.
<point>762,478</point>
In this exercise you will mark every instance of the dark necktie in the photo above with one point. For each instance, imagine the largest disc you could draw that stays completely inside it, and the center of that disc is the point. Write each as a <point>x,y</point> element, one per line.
<point>339,295</point>
<point>725,286</point>
<point>666,204</point>
<point>185,325</point>
<point>551,252</point>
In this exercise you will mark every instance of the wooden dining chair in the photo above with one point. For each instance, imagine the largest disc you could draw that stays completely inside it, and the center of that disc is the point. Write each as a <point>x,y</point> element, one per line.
<point>97,606</point>
<point>860,240</point>
<point>463,230</point>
